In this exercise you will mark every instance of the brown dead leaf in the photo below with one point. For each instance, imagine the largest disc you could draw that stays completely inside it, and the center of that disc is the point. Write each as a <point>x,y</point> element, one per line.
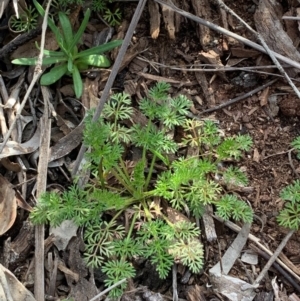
<point>168,16</point>
<point>21,202</point>
<point>244,53</point>
<point>9,165</point>
<point>67,90</point>
<point>66,144</point>
<point>175,216</point>
<point>8,206</point>
<point>153,8</point>
<point>256,155</point>
<point>12,288</point>
<point>212,57</point>
<point>13,148</point>
<point>263,97</point>
<point>195,293</point>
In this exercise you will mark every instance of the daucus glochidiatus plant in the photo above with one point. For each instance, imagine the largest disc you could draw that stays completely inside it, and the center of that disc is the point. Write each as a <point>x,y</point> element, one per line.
<point>137,187</point>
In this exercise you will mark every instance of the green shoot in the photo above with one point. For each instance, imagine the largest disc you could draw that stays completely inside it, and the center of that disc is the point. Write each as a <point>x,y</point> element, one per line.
<point>289,216</point>
<point>69,60</point>
<point>123,185</point>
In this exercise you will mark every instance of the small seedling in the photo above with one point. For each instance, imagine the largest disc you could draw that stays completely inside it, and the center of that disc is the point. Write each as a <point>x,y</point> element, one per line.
<point>289,216</point>
<point>119,186</point>
<point>26,22</point>
<point>69,60</point>
<point>112,17</point>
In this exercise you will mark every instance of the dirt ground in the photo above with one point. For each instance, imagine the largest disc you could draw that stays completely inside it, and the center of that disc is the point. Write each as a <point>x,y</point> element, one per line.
<point>270,117</point>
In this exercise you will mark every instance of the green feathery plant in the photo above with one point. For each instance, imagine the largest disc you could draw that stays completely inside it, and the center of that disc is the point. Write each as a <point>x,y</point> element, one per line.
<point>118,185</point>
<point>69,60</point>
<point>289,216</point>
<point>112,17</point>
<point>26,21</point>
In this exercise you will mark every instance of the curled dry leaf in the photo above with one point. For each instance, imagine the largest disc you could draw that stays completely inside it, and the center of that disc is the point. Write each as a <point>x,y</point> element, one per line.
<point>66,144</point>
<point>263,97</point>
<point>8,206</point>
<point>13,148</point>
<point>12,288</point>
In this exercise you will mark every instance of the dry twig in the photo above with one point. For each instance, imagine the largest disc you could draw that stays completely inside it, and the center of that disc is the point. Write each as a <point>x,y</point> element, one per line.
<point>239,98</point>
<point>224,31</point>
<point>262,41</point>
<point>273,258</point>
<point>256,240</point>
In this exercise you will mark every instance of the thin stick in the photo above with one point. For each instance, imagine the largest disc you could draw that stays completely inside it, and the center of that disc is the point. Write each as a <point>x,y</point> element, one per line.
<point>284,274</point>
<point>4,95</point>
<point>191,68</point>
<point>41,184</point>
<point>36,75</point>
<point>291,163</point>
<point>39,283</point>
<point>222,30</point>
<point>113,74</point>
<point>262,41</point>
<point>273,258</point>
<point>239,98</point>
<point>290,18</point>
<point>107,290</point>
<point>253,238</point>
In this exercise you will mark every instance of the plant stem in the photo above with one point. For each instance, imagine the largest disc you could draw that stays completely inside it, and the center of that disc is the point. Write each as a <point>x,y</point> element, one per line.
<point>132,224</point>
<point>150,172</point>
<point>100,173</point>
<point>121,177</point>
<point>125,170</point>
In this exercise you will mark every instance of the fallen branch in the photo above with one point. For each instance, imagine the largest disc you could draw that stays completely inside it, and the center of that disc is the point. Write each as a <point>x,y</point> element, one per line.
<point>285,275</point>
<point>239,98</point>
<point>224,31</point>
<point>273,258</point>
<point>264,44</point>
<point>256,240</point>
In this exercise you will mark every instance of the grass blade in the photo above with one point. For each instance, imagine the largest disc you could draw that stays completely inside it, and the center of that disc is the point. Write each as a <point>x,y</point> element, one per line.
<point>78,85</point>
<point>95,60</point>
<point>81,29</point>
<point>66,29</point>
<point>33,61</point>
<point>53,75</point>
<point>58,36</point>
<point>99,49</point>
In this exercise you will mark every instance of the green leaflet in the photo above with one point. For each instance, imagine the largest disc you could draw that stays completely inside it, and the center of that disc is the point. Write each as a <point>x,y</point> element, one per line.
<point>94,60</point>
<point>68,54</point>
<point>33,61</point>
<point>99,49</point>
<point>81,29</point>
<point>67,30</point>
<point>78,85</point>
<point>53,75</point>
